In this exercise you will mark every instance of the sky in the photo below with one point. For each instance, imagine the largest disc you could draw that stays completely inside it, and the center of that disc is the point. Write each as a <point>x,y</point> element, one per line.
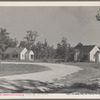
<point>77,24</point>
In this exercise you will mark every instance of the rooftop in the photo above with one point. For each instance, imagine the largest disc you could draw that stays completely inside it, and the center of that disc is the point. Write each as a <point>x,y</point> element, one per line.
<point>85,48</point>
<point>10,50</point>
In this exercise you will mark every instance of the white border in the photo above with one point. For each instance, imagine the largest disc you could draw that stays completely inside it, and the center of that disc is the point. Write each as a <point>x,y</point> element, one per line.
<point>52,96</point>
<point>60,3</point>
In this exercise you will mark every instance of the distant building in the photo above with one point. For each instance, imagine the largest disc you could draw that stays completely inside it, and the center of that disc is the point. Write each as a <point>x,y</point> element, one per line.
<point>29,55</point>
<point>85,53</point>
<point>19,53</point>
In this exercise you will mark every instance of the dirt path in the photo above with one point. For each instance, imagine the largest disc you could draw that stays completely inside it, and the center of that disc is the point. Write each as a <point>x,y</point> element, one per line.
<point>57,72</point>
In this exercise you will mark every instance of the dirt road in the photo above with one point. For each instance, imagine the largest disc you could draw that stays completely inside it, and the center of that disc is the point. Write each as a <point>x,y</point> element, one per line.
<point>57,72</point>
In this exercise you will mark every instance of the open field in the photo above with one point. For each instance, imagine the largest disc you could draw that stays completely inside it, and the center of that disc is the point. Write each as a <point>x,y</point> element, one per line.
<point>14,69</point>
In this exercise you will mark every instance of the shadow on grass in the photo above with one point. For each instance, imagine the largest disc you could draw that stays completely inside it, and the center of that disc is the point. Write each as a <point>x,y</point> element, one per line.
<point>24,86</point>
<point>92,86</point>
<point>31,86</point>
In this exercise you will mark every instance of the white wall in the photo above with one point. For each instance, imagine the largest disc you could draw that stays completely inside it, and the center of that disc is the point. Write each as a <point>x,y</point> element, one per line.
<point>31,53</point>
<point>97,57</point>
<point>28,56</point>
<point>22,54</point>
<point>92,53</point>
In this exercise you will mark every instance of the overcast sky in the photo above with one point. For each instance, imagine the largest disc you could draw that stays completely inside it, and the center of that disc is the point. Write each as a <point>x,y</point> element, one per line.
<point>77,24</point>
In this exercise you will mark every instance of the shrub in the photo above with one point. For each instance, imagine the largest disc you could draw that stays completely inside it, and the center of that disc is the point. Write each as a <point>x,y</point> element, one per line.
<point>44,60</point>
<point>60,60</point>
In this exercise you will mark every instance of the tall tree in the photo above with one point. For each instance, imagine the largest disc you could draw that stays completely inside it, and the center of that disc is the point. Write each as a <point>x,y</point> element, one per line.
<point>79,44</point>
<point>6,41</point>
<point>30,39</point>
<point>51,52</point>
<point>62,49</point>
<point>45,45</point>
<point>59,51</point>
<point>43,50</point>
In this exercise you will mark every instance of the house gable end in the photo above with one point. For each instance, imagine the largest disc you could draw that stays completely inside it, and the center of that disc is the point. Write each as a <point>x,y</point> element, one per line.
<point>85,49</point>
<point>95,49</point>
<point>93,52</point>
<point>24,50</point>
<point>22,54</point>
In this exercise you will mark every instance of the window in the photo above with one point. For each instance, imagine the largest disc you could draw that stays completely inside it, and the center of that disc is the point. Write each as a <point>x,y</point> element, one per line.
<point>32,57</point>
<point>15,55</point>
<point>85,57</point>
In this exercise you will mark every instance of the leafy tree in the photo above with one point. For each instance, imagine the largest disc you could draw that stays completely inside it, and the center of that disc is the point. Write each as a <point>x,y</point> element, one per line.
<point>6,41</point>
<point>29,39</point>
<point>38,50</point>
<point>23,44</point>
<point>51,52</point>
<point>45,46</point>
<point>79,44</point>
<point>62,49</point>
<point>59,51</point>
<point>43,50</point>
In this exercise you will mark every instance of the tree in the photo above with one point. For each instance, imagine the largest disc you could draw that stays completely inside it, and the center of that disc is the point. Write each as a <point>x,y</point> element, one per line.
<point>45,46</point>
<point>43,50</point>
<point>38,50</point>
<point>59,51</point>
<point>51,52</point>
<point>62,49</point>
<point>30,39</point>
<point>6,41</point>
<point>79,44</point>
<point>23,44</point>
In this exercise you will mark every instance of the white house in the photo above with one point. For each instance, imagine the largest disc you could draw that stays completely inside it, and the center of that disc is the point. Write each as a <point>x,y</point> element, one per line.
<point>30,55</point>
<point>97,56</point>
<point>18,53</point>
<point>86,53</point>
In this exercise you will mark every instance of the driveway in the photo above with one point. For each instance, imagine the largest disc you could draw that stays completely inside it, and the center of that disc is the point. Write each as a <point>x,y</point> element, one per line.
<point>57,72</point>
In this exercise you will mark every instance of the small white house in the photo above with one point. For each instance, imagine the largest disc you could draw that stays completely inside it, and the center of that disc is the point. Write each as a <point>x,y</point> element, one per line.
<point>97,56</point>
<point>18,53</point>
<point>22,54</point>
<point>88,53</point>
<point>30,55</point>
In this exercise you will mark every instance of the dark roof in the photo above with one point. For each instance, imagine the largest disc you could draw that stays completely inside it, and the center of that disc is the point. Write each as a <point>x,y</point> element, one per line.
<point>73,51</point>
<point>85,48</point>
<point>28,51</point>
<point>10,50</point>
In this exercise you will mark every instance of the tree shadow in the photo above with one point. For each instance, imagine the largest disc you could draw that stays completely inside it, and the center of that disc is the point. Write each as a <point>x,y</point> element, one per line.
<point>24,86</point>
<point>35,86</point>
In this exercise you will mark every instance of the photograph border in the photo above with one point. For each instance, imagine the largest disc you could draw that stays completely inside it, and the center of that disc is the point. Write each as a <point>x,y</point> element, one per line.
<point>47,96</point>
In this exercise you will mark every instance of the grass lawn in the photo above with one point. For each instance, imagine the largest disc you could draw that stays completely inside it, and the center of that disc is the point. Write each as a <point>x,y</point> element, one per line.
<point>76,82</point>
<point>91,71</point>
<point>13,69</point>
<point>86,64</point>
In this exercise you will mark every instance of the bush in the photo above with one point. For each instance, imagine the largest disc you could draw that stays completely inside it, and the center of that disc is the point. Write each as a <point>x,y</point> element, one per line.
<point>60,60</point>
<point>44,60</point>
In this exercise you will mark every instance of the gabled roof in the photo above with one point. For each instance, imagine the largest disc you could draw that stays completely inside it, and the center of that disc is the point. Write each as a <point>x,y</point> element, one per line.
<point>10,50</point>
<point>85,48</point>
<point>28,51</point>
